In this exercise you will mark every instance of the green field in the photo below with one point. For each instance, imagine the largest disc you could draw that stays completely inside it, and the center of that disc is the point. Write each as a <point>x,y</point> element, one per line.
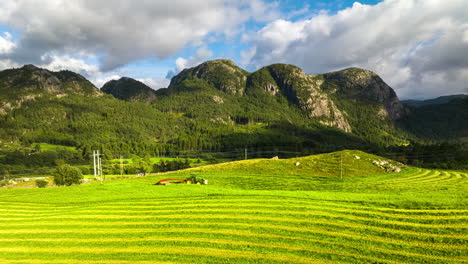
<point>51,147</point>
<point>254,211</point>
<point>157,160</point>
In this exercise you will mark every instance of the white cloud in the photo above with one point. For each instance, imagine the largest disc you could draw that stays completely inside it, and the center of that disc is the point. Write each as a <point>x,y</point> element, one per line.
<point>88,70</point>
<point>201,55</point>
<point>6,43</point>
<point>122,31</point>
<point>58,63</point>
<point>155,83</point>
<point>7,64</point>
<point>419,47</point>
<point>100,81</point>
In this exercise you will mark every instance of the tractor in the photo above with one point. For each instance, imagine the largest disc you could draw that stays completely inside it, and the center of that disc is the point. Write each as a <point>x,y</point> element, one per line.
<point>192,179</point>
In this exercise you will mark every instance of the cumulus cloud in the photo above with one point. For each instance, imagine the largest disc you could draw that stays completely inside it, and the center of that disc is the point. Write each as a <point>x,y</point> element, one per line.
<point>121,31</point>
<point>59,63</point>
<point>88,70</point>
<point>6,43</point>
<point>419,47</point>
<point>7,64</point>
<point>100,81</point>
<point>155,83</point>
<point>200,56</point>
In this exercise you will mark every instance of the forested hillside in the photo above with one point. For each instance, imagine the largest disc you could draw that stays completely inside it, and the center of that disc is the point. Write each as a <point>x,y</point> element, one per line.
<point>214,107</point>
<point>439,121</point>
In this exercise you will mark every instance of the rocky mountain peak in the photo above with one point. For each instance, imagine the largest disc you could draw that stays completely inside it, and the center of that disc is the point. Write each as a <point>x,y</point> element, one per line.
<point>364,85</point>
<point>29,67</point>
<point>30,82</point>
<point>34,80</point>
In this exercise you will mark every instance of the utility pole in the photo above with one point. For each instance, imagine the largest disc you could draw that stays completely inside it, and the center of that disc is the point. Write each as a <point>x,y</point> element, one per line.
<point>121,165</point>
<point>94,164</point>
<point>341,165</point>
<point>97,165</point>
<point>245,151</point>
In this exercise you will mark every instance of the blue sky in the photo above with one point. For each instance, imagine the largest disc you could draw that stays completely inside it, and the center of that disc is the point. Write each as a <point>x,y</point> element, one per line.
<point>232,48</point>
<point>418,47</point>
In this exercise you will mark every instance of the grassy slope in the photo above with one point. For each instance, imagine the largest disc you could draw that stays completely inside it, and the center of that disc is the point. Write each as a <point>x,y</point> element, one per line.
<point>306,215</point>
<point>51,147</point>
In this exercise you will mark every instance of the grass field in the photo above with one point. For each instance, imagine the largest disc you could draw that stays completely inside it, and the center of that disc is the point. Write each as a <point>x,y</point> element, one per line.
<point>254,211</point>
<point>48,147</point>
<point>157,160</point>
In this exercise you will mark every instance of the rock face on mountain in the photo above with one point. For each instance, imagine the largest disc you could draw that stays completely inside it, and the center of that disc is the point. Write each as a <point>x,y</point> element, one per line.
<point>301,89</point>
<point>30,82</point>
<point>129,89</point>
<point>318,96</point>
<point>366,86</point>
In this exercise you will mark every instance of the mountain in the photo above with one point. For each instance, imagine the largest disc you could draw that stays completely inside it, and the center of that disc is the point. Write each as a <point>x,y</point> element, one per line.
<point>30,82</point>
<point>367,87</point>
<point>223,75</point>
<point>353,100</point>
<point>213,107</point>
<point>438,100</point>
<point>129,89</point>
<point>439,121</point>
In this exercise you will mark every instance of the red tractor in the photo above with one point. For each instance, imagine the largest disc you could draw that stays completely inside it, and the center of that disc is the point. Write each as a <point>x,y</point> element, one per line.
<point>193,179</point>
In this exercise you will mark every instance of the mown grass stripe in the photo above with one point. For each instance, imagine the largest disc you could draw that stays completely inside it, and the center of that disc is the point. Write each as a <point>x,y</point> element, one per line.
<point>336,234</point>
<point>267,214</point>
<point>281,203</point>
<point>107,261</point>
<point>432,175</point>
<point>443,177</point>
<point>452,179</point>
<point>284,200</point>
<point>248,214</point>
<point>314,231</point>
<point>303,203</point>
<point>262,205</point>
<point>420,174</point>
<point>136,222</point>
<point>257,244</point>
<point>224,253</point>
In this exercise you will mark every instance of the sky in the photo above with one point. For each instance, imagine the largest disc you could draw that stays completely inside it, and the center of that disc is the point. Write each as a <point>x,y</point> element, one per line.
<point>419,47</point>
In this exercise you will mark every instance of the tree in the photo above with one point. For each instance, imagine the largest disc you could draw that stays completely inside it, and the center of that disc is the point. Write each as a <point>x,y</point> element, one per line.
<point>65,174</point>
<point>142,165</point>
<point>6,174</point>
<point>41,183</point>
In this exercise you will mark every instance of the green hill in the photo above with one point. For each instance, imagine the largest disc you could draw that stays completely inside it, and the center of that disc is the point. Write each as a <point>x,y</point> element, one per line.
<point>352,163</point>
<point>438,100</point>
<point>29,82</point>
<point>439,121</point>
<point>129,90</point>
<point>303,173</point>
